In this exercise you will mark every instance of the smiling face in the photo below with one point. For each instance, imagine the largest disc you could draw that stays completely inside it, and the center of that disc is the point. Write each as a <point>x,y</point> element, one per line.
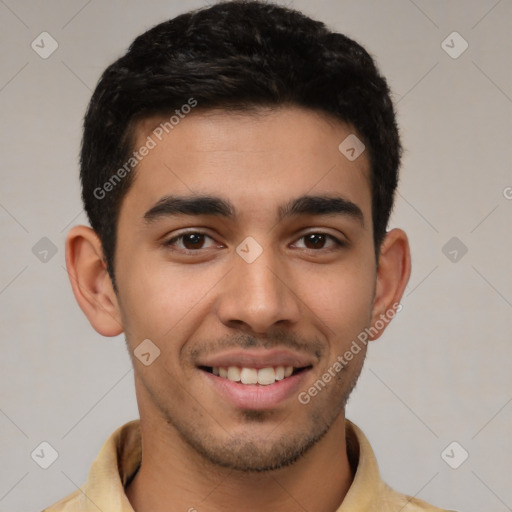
<point>245,251</point>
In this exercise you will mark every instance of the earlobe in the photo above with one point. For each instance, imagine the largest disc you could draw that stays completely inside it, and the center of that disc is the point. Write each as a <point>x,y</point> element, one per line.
<point>90,281</point>
<point>393,273</point>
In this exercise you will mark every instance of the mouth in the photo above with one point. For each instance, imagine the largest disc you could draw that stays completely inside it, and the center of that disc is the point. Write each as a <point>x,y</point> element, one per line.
<point>254,376</point>
<point>256,379</point>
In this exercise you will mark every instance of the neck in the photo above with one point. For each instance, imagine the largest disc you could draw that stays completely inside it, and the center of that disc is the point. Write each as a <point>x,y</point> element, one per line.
<point>171,472</point>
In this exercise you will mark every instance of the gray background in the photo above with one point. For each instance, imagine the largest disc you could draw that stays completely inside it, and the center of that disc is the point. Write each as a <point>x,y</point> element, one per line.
<point>441,373</point>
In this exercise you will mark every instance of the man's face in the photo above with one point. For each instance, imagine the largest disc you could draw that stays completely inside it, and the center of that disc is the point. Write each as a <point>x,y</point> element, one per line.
<point>246,241</point>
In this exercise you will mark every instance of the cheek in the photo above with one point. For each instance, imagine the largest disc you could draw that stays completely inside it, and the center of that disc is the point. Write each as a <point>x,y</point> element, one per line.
<point>160,301</point>
<point>341,299</point>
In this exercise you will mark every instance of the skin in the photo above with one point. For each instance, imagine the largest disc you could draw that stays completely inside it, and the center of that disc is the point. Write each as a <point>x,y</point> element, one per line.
<point>305,294</point>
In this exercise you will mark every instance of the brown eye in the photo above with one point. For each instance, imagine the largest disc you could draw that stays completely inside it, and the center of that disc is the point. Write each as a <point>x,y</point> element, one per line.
<point>193,241</point>
<point>315,241</point>
<point>318,241</point>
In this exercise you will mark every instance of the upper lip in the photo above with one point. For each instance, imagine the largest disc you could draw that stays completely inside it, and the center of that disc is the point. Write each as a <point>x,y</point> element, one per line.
<point>256,359</point>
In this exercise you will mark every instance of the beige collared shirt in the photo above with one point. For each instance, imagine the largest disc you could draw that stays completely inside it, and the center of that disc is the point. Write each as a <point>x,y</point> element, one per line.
<point>120,457</point>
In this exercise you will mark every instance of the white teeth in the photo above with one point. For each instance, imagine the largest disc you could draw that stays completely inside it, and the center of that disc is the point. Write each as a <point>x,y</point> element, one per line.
<point>266,376</point>
<point>280,373</point>
<point>263,376</point>
<point>234,374</point>
<point>249,376</point>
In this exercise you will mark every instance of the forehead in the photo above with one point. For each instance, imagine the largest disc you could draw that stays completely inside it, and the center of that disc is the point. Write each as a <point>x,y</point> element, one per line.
<point>257,159</point>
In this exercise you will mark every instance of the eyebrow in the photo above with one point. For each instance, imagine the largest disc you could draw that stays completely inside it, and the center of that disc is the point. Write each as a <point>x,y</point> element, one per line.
<point>190,205</point>
<point>210,205</point>
<point>321,205</point>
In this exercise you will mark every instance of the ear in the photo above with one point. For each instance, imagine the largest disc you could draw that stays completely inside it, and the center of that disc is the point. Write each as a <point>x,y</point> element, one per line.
<point>393,271</point>
<point>90,281</point>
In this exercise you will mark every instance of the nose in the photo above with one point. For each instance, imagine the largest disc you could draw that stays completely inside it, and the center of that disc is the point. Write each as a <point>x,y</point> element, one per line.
<point>258,296</point>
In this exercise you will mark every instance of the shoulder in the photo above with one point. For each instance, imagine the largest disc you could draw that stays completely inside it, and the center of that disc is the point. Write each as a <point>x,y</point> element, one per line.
<point>368,490</point>
<point>393,500</point>
<point>74,502</point>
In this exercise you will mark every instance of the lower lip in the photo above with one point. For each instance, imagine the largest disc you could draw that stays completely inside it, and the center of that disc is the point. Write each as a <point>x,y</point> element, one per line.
<point>257,397</point>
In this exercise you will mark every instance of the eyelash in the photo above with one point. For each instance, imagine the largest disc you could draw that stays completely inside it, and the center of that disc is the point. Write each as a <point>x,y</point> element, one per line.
<point>169,243</point>
<point>337,241</point>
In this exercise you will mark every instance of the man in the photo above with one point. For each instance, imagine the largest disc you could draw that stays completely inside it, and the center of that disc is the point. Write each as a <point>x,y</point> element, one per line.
<point>238,169</point>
